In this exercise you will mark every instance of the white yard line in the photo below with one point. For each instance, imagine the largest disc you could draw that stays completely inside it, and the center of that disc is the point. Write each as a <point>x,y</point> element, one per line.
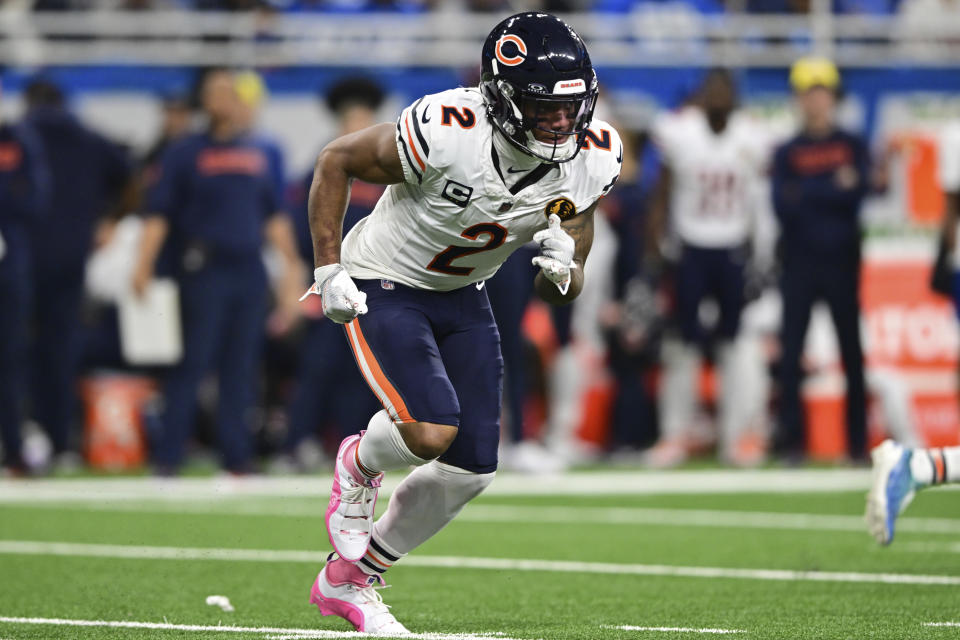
<point>273,631</point>
<point>941,624</point>
<point>556,515</point>
<point>926,547</point>
<point>586,483</point>
<point>630,627</point>
<point>696,518</point>
<point>26,547</point>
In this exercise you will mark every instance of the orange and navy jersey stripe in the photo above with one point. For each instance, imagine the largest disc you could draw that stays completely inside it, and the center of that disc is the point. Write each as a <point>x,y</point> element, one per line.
<point>413,143</point>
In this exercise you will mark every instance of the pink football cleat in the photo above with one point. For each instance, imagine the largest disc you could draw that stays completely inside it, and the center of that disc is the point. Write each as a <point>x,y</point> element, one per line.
<point>353,498</point>
<point>343,590</point>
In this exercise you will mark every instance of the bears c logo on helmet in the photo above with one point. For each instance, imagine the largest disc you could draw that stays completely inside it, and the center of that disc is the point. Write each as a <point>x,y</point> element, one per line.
<point>512,61</point>
<point>563,207</point>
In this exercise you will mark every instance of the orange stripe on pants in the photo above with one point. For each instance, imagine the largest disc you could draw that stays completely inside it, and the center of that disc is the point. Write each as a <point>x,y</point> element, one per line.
<point>366,356</point>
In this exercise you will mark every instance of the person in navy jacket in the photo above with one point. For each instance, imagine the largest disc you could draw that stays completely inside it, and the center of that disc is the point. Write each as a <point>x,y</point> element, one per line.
<point>820,178</point>
<point>91,181</point>
<point>24,197</point>
<point>213,204</point>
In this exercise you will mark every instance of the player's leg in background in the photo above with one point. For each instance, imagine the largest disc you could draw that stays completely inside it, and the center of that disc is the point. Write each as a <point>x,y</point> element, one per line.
<point>898,473</point>
<point>741,372</point>
<point>15,293</point>
<point>841,287</point>
<point>240,354</point>
<point>681,359</point>
<point>56,350</point>
<point>203,304</point>
<point>510,291</point>
<point>798,293</point>
<point>316,372</point>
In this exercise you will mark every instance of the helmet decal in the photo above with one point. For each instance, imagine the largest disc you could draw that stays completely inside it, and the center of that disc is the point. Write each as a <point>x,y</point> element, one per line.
<point>512,61</point>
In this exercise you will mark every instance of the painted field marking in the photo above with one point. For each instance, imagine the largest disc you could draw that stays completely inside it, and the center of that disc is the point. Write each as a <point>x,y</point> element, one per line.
<point>926,547</point>
<point>27,547</point>
<point>630,627</point>
<point>274,632</point>
<point>941,624</point>
<point>506,484</point>
<point>631,516</point>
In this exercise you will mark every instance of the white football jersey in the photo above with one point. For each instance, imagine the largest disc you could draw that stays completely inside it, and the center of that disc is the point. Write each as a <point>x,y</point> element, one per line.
<point>717,178</point>
<point>453,221</point>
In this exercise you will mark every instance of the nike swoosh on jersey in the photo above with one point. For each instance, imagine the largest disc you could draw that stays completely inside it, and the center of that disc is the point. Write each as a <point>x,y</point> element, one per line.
<point>620,157</point>
<point>424,119</point>
<point>512,170</point>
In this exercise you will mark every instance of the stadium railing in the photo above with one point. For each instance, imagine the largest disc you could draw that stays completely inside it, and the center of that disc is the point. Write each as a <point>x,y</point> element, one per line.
<point>667,37</point>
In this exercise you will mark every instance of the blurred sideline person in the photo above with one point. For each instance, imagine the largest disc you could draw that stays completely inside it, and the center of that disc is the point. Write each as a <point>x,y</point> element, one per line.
<point>474,174</point>
<point>709,196</point>
<point>898,473</point>
<point>24,198</point>
<point>252,93</point>
<point>176,121</point>
<point>632,322</point>
<point>820,178</point>
<point>330,391</point>
<point>92,179</point>
<point>207,216</point>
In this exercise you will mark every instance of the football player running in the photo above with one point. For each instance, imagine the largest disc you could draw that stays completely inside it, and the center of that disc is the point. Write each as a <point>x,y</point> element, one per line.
<point>898,473</point>
<point>474,173</point>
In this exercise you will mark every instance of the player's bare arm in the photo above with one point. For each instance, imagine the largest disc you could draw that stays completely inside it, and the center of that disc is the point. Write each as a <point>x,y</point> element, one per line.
<point>580,228</point>
<point>369,155</point>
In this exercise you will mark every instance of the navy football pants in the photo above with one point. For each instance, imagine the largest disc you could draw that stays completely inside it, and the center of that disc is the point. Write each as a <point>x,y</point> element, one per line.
<point>433,356</point>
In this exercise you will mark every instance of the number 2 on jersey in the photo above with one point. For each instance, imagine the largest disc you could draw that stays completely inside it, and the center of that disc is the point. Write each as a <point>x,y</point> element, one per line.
<point>442,261</point>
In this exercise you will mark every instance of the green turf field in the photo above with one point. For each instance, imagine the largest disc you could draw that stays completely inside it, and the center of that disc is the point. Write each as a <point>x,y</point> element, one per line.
<point>764,565</point>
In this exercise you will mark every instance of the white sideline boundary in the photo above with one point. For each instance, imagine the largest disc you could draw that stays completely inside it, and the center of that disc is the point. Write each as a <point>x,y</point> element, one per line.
<point>630,627</point>
<point>276,631</point>
<point>28,547</point>
<point>726,518</point>
<point>506,484</point>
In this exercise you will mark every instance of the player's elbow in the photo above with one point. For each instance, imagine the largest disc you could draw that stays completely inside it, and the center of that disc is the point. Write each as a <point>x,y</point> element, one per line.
<point>331,162</point>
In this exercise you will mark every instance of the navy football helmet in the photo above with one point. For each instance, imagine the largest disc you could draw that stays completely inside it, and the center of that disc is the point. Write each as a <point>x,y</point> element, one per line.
<point>538,84</point>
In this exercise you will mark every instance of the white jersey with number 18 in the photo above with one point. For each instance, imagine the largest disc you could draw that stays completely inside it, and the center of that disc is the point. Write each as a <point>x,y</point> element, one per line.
<point>716,176</point>
<point>453,221</point>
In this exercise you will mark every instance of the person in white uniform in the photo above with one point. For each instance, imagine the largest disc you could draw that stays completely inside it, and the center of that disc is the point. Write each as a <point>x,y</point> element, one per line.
<point>709,194</point>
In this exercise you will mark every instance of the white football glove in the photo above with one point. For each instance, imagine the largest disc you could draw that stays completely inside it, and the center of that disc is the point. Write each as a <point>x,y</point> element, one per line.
<point>556,254</point>
<point>342,301</point>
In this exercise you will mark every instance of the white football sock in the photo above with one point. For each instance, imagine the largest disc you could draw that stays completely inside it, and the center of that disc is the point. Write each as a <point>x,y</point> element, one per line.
<point>382,447</point>
<point>935,466</point>
<point>427,499</point>
<point>951,458</point>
